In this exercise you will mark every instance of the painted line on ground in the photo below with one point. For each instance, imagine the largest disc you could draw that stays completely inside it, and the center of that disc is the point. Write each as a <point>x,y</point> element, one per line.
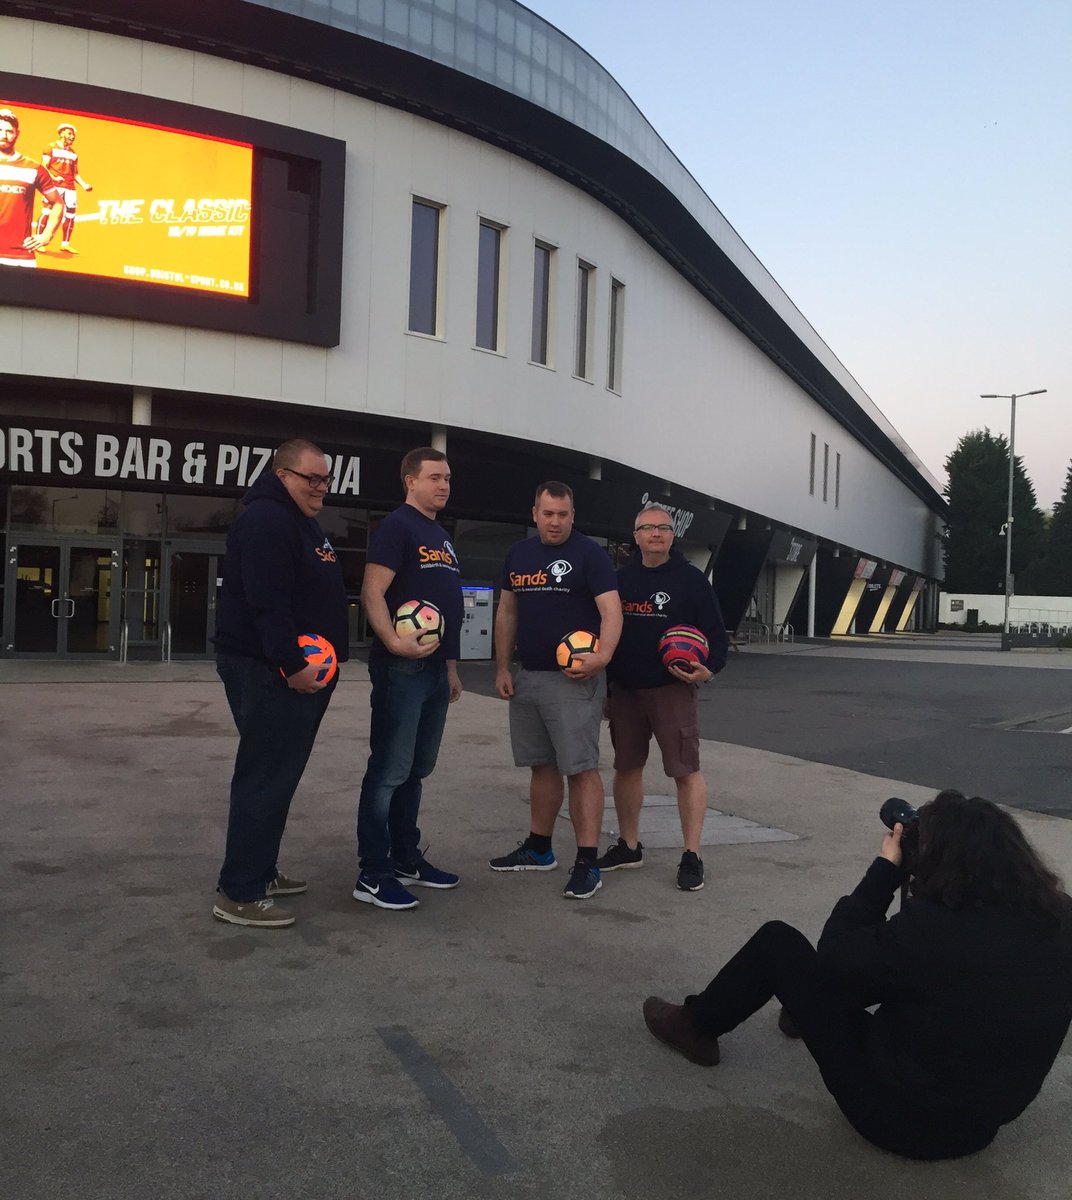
<point>460,1117</point>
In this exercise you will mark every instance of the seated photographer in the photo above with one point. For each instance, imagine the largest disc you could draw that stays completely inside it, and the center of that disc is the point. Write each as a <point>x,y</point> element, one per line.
<point>973,979</point>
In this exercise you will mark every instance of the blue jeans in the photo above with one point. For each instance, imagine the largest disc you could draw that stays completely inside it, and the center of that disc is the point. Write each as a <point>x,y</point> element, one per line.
<point>409,712</point>
<point>276,729</point>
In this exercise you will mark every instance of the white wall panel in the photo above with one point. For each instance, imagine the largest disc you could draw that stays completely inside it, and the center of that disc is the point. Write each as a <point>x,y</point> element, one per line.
<point>11,337</point>
<point>265,95</point>
<point>105,347</point>
<point>49,344</point>
<point>168,72</point>
<point>16,45</point>
<point>217,84</point>
<point>159,355</point>
<point>311,107</point>
<point>303,374</point>
<point>60,52</point>
<point>210,362</point>
<point>259,367</point>
<point>113,62</point>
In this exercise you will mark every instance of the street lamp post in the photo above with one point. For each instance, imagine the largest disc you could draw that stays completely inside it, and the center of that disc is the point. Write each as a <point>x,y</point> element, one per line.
<point>1012,398</point>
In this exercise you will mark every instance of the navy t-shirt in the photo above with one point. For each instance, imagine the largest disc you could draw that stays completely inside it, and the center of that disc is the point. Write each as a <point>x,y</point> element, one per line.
<point>555,588</point>
<point>426,567</point>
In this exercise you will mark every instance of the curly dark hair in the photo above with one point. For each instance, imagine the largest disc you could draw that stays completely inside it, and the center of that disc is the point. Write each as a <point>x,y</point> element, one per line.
<point>973,854</point>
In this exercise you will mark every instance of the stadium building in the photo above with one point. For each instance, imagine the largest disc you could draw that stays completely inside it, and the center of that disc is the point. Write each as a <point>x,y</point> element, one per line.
<point>381,224</point>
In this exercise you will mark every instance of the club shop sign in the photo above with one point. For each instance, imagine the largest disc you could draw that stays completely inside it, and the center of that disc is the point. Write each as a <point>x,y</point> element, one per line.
<point>143,458</point>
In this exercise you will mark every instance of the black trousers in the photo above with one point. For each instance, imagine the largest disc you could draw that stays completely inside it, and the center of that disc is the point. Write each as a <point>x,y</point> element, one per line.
<point>779,961</point>
<point>277,727</point>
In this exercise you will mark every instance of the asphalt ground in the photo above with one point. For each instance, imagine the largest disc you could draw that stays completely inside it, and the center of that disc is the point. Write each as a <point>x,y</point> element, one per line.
<point>487,1045</point>
<point>942,711</point>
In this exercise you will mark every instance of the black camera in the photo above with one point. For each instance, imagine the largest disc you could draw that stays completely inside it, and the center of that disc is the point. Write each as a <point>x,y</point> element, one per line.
<point>896,811</point>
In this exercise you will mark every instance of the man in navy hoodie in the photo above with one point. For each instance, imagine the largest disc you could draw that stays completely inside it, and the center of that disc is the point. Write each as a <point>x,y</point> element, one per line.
<point>660,588</point>
<point>281,578</point>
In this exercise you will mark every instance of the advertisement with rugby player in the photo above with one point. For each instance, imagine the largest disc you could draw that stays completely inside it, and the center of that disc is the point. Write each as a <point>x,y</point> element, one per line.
<point>92,195</point>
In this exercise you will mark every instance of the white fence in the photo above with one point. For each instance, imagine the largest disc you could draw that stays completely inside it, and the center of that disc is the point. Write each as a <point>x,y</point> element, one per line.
<point>1028,614</point>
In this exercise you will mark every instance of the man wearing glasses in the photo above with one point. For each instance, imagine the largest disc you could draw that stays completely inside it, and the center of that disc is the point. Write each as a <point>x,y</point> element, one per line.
<point>410,557</point>
<point>660,588</point>
<point>281,578</point>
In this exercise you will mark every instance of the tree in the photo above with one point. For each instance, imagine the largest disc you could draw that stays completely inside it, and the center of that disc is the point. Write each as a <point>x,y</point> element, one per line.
<point>978,492</point>
<point>1058,562</point>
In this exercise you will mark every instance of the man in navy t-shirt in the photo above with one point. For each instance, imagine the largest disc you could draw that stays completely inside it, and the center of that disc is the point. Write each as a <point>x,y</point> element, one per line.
<point>556,583</point>
<point>410,557</point>
<point>660,588</point>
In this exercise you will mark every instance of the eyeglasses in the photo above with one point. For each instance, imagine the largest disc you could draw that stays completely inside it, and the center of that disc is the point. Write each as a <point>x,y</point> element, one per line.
<point>654,529</point>
<point>316,481</point>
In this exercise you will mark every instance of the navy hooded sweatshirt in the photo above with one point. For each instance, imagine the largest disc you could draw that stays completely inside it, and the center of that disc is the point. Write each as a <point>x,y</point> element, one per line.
<point>281,578</point>
<point>655,599</point>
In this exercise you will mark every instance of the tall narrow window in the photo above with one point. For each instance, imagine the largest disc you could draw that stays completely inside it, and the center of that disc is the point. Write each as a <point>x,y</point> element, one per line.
<point>826,470</point>
<point>424,268</point>
<point>811,468</point>
<point>837,481</point>
<point>541,304</point>
<point>489,260</point>
<point>617,321</point>
<point>585,279</point>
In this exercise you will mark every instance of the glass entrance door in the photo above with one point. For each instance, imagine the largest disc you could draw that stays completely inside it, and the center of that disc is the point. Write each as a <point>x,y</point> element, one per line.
<point>192,579</point>
<point>59,598</point>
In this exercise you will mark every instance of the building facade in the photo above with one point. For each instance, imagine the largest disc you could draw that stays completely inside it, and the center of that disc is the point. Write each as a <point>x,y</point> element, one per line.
<point>460,232</point>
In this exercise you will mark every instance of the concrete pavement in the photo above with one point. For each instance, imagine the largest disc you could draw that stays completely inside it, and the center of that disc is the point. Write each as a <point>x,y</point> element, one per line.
<point>488,1044</point>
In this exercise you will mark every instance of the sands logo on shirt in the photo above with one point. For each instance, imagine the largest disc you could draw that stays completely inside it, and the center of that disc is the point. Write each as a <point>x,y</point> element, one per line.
<point>326,552</point>
<point>538,579</point>
<point>446,556</point>
<point>655,604</point>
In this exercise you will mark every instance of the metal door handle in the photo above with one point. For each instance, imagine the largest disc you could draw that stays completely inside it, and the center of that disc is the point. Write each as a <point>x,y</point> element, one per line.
<point>70,611</point>
<point>56,609</point>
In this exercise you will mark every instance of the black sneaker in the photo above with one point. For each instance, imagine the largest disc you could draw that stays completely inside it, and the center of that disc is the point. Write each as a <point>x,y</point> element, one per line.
<point>620,857</point>
<point>584,881</point>
<point>690,872</point>
<point>524,858</point>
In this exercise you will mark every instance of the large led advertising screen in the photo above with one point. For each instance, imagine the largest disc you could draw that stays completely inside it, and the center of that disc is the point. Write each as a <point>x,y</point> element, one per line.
<point>118,204</point>
<point>88,194</point>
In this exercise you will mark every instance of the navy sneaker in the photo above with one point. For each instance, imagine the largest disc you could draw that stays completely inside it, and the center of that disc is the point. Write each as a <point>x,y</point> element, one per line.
<point>384,893</point>
<point>525,859</point>
<point>584,881</point>
<point>423,874</point>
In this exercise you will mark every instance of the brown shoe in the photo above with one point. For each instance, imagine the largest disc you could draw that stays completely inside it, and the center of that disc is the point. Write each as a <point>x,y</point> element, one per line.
<point>283,885</point>
<point>787,1025</point>
<point>671,1024</point>
<point>260,914</point>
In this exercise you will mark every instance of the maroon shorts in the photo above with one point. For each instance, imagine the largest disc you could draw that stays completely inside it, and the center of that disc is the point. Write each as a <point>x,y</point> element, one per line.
<point>670,713</point>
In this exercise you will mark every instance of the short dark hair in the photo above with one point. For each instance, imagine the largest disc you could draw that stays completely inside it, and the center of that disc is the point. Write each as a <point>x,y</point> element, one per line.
<point>973,854</point>
<point>411,462</point>
<point>291,451</point>
<point>555,488</point>
<point>653,507</point>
